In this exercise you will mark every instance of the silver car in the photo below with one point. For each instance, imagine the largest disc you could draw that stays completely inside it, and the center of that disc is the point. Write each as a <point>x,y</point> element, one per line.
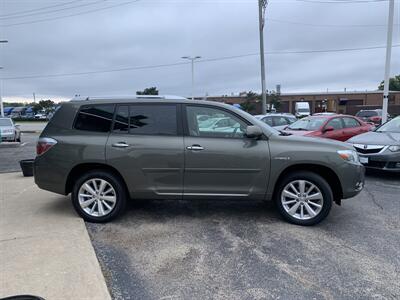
<point>9,132</point>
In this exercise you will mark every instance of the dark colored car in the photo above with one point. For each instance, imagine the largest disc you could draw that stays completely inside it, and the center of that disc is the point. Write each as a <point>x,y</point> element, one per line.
<point>336,127</point>
<point>105,151</point>
<point>380,149</point>
<point>373,115</point>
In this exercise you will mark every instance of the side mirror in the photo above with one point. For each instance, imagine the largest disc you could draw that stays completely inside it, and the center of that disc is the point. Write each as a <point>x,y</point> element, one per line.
<point>328,128</point>
<point>253,132</point>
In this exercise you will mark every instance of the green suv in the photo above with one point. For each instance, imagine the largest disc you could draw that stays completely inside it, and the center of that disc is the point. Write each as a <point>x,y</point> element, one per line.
<point>105,151</point>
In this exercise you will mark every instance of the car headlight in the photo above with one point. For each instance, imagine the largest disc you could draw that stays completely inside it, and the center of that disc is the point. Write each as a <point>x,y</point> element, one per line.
<point>394,148</point>
<point>349,155</point>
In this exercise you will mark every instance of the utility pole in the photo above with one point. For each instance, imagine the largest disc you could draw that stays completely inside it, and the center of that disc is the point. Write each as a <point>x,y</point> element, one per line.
<point>387,63</point>
<point>34,98</point>
<point>262,6</point>
<point>192,59</point>
<point>1,87</point>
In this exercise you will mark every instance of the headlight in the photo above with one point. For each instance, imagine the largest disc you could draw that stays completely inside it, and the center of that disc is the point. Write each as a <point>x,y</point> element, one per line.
<point>349,155</point>
<point>394,148</point>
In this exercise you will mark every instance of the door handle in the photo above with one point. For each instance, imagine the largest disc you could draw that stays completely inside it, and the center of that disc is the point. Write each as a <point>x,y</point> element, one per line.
<point>195,148</point>
<point>120,145</point>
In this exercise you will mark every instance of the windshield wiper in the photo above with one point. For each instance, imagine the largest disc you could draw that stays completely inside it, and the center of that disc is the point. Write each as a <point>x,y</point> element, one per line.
<point>297,128</point>
<point>284,133</point>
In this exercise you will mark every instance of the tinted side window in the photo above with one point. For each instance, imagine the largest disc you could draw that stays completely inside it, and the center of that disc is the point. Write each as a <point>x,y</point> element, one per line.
<point>95,118</point>
<point>121,123</point>
<point>268,120</point>
<point>280,121</point>
<point>336,123</point>
<point>350,122</point>
<point>153,119</point>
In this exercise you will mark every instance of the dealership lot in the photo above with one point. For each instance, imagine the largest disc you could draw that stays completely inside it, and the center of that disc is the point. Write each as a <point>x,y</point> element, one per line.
<point>243,250</point>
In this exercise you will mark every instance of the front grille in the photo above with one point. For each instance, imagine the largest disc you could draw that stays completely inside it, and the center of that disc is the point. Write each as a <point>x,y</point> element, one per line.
<point>376,164</point>
<point>368,149</point>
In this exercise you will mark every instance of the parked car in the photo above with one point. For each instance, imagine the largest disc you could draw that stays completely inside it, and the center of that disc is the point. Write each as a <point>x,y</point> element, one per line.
<point>327,113</point>
<point>279,121</point>
<point>40,116</point>
<point>302,109</point>
<point>104,151</point>
<point>373,115</point>
<point>9,132</point>
<point>18,112</point>
<point>336,127</point>
<point>380,149</point>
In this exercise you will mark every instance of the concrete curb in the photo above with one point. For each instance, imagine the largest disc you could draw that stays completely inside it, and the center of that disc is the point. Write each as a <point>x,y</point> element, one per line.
<point>45,249</point>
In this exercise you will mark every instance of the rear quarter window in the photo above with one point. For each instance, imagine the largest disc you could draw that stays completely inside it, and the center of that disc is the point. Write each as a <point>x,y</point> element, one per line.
<point>97,118</point>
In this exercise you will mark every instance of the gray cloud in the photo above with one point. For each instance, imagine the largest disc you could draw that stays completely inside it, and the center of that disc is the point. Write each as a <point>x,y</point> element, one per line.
<point>160,32</point>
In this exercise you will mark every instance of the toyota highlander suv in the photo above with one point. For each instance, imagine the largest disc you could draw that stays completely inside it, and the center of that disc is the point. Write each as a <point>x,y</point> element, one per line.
<point>104,151</point>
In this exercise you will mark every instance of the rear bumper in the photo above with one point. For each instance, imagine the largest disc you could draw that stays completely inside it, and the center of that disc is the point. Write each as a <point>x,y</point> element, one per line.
<point>48,176</point>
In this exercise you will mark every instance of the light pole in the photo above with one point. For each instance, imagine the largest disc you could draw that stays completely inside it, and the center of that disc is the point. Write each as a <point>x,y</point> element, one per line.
<point>387,63</point>
<point>262,6</point>
<point>1,86</point>
<point>192,59</point>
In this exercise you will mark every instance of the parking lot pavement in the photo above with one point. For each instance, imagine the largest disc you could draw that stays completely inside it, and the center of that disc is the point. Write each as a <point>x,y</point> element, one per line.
<point>12,153</point>
<point>32,126</point>
<point>243,250</point>
<point>44,247</point>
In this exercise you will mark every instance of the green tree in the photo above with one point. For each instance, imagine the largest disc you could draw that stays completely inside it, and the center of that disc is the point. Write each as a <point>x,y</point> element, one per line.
<point>46,105</point>
<point>274,100</point>
<point>394,84</point>
<point>249,102</point>
<point>148,91</point>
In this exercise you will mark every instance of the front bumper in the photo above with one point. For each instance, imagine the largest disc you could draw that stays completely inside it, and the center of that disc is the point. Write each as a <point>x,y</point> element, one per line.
<point>383,161</point>
<point>352,179</point>
<point>7,137</point>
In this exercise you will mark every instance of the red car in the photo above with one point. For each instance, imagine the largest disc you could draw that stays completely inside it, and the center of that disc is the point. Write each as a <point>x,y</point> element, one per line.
<point>336,127</point>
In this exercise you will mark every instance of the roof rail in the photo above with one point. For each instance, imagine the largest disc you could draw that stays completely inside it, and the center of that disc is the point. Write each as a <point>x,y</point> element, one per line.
<point>133,97</point>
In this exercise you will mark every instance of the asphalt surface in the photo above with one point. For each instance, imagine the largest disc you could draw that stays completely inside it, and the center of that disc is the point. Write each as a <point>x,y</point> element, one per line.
<point>244,250</point>
<point>12,153</point>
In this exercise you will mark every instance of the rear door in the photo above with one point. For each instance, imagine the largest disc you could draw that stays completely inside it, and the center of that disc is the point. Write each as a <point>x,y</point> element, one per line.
<point>338,131</point>
<point>351,127</point>
<point>223,163</point>
<point>146,147</point>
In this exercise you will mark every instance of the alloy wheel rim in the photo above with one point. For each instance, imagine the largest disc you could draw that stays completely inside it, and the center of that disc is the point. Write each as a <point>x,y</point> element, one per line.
<point>302,199</point>
<point>97,197</point>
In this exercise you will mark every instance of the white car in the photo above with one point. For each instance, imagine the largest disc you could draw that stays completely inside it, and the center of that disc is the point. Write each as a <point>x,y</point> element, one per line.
<point>41,116</point>
<point>9,132</point>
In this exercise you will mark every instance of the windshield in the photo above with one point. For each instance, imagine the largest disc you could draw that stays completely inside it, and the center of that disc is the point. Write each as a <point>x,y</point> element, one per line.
<point>391,126</point>
<point>367,114</point>
<point>5,122</point>
<point>308,124</point>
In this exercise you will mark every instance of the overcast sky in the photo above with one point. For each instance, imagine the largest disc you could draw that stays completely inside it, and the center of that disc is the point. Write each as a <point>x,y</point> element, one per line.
<point>124,34</point>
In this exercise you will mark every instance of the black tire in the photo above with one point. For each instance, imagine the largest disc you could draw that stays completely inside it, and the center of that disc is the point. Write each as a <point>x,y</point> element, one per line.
<point>319,182</point>
<point>114,181</point>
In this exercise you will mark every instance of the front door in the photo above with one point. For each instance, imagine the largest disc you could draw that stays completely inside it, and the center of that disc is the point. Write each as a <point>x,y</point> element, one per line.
<point>146,147</point>
<point>219,160</point>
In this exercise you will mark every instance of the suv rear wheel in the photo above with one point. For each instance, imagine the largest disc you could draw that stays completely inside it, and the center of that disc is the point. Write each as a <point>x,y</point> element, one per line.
<point>304,198</point>
<point>98,196</point>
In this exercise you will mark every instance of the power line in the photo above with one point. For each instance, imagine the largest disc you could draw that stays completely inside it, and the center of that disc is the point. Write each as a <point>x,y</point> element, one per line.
<point>341,2</point>
<point>53,11</point>
<point>326,25</point>
<point>71,15</point>
<point>41,8</point>
<point>199,61</point>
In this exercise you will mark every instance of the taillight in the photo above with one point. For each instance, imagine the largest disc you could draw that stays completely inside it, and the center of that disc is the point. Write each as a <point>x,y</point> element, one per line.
<point>44,144</point>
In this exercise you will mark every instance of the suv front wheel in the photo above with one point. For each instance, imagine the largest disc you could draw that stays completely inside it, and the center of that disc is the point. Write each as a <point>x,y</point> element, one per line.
<point>304,198</point>
<point>98,196</point>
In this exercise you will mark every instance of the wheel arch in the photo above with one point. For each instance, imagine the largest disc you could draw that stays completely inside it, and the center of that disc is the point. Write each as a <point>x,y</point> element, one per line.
<point>325,172</point>
<point>80,169</point>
